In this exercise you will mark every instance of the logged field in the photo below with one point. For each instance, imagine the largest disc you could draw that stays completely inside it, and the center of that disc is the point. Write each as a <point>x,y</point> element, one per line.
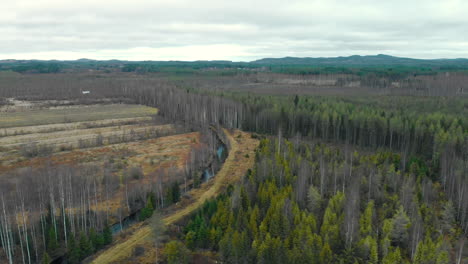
<point>73,114</point>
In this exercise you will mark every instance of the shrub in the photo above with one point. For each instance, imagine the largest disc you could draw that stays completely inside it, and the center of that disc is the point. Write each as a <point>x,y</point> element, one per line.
<point>138,251</point>
<point>135,172</point>
<point>175,252</point>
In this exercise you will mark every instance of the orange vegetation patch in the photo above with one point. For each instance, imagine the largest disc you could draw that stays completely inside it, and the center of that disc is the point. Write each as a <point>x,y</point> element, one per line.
<point>151,154</point>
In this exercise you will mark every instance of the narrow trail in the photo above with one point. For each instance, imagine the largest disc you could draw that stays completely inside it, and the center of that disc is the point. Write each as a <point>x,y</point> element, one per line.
<point>240,159</point>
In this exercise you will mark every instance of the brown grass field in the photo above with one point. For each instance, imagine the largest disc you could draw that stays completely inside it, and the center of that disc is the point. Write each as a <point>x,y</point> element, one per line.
<point>15,131</point>
<point>240,159</point>
<point>73,114</point>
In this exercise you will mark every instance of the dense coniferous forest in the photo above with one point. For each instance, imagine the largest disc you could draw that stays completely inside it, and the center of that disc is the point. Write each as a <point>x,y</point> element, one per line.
<point>309,202</point>
<point>376,177</point>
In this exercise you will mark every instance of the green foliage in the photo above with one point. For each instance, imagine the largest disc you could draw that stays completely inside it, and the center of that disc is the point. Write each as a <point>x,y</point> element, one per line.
<point>429,252</point>
<point>269,250</point>
<point>175,252</point>
<point>365,223</point>
<point>74,251</point>
<point>400,225</point>
<point>107,235</point>
<point>86,247</point>
<point>393,257</point>
<point>46,258</point>
<point>173,193</point>
<point>314,199</point>
<point>52,242</point>
<point>369,250</point>
<point>259,221</point>
<point>326,254</point>
<point>147,212</point>
<point>332,221</point>
<point>96,239</point>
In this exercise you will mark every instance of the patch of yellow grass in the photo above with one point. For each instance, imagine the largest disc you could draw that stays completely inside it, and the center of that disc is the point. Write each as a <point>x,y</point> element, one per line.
<point>240,158</point>
<point>24,130</point>
<point>74,114</point>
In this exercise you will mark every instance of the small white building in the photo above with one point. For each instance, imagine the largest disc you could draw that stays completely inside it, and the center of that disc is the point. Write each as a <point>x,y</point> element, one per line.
<point>85,92</point>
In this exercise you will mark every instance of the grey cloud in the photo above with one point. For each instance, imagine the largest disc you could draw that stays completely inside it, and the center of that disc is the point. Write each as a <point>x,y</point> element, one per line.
<point>247,29</point>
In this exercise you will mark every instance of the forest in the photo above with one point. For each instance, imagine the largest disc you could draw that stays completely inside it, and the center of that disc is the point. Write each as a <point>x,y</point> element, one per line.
<point>350,168</point>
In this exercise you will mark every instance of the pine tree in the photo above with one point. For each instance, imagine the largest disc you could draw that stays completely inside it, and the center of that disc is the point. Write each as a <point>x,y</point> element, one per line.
<point>93,239</point>
<point>365,223</point>
<point>147,212</point>
<point>52,243</point>
<point>393,257</point>
<point>74,251</point>
<point>85,246</point>
<point>314,200</point>
<point>46,258</point>
<point>175,252</point>
<point>333,220</point>
<point>401,223</point>
<point>175,192</point>
<point>326,254</point>
<point>370,250</point>
<point>190,240</point>
<point>107,235</point>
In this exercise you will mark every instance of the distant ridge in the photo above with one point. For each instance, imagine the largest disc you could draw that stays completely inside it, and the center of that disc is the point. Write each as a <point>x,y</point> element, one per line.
<point>380,60</point>
<point>357,60</point>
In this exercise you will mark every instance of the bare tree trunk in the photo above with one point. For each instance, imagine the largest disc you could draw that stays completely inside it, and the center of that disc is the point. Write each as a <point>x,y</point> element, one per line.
<point>19,235</point>
<point>62,200</point>
<point>460,253</point>
<point>8,235</point>
<point>25,231</point>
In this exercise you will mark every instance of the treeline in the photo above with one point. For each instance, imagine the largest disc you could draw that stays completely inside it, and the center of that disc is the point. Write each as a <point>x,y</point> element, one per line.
<point>312,203</point>
<point>392,73</point>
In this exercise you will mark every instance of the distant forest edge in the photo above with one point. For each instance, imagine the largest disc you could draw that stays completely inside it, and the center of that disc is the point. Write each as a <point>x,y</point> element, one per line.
<point>380,65</point>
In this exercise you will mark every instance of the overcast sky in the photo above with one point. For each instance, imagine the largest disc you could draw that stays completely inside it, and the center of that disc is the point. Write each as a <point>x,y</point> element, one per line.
<point>239,30</point>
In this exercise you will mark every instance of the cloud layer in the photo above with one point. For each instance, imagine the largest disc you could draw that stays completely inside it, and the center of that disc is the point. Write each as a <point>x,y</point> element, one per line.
<point>231,30</point>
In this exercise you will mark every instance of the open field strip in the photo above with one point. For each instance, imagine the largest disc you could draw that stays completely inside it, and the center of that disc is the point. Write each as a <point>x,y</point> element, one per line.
<point>73,136</point>
<point>23,130</point>
<point>75,114</point>
<point>241,157</point>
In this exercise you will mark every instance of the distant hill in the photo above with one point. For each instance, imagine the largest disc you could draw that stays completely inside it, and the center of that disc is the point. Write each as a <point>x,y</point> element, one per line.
<point>356,60</point>
<point>292,65</point>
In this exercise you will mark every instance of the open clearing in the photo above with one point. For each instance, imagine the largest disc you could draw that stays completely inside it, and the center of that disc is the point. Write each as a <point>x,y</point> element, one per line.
<point>240,159</point>
<point>75,134</point>
<point>15,131</point>
<point>74,114</point>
